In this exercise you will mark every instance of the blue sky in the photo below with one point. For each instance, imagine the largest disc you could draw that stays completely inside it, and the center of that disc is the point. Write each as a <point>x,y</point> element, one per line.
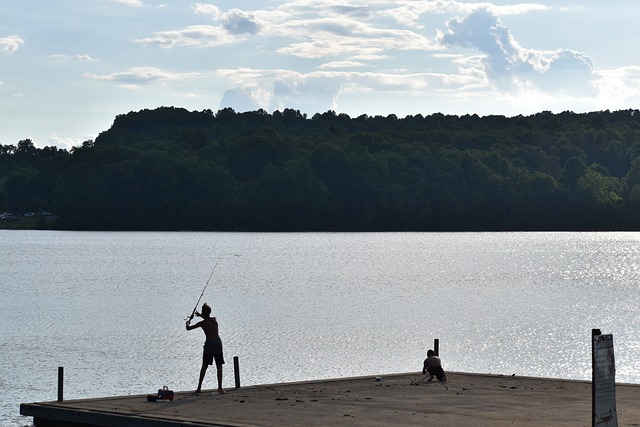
<point>68,67</point>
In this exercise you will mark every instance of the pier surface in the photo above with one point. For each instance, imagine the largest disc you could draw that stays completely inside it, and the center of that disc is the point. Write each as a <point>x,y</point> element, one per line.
<point>404,399</point>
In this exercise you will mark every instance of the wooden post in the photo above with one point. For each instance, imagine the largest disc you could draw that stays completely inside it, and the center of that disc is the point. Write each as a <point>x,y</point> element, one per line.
<point>436,347</point>
<point>236,371</point>
<point>60,383</point>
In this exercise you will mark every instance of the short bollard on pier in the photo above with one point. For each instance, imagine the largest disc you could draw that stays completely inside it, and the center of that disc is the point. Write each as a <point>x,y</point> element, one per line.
<point>236,371</point>
<point>60,383</point>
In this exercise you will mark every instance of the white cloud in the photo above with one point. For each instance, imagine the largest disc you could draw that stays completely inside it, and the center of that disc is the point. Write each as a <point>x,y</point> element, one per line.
<point>280,89</point>
<point>484,54</point>
<point>619,88</point>
<point>79,57</point>
<point>239,22</point>
<point>246,99</point>
<point>307,95</point>
<point>324,30</point>
<point>83,57</point>
<point>340,64</point>
<point>231,27</point>
<point>66,143</point>
<point>130,2</point>
<point>410,12</point>
<point>304,29</point>
<point>326,38</point>
<point>207,9</point>
<point>196,35</point>
<point>320,91</point>
<point>140,76</point>
<point>10,44</point>
<point>508,65</point>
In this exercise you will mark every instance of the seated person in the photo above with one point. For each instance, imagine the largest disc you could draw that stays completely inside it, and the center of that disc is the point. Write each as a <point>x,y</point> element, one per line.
<point>433,366</point>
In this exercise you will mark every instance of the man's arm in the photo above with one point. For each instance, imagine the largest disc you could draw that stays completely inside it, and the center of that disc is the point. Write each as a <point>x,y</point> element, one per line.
<point>189,326</point>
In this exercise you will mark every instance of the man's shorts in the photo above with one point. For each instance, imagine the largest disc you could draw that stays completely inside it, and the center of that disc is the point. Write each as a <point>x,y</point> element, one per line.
<point>213,350</point>
<point>438,372</point>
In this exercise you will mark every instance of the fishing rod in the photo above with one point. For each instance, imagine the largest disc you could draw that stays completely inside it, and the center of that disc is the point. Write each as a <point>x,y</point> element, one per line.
<point>204,289</point>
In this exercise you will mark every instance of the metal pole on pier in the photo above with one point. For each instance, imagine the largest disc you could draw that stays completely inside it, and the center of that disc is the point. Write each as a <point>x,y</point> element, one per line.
<point>236,371</point>
<point>436,347</point>
<point>60,383</point>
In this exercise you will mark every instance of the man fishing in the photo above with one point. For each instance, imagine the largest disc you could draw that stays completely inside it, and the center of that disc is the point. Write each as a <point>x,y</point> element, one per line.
<point>212,346</point>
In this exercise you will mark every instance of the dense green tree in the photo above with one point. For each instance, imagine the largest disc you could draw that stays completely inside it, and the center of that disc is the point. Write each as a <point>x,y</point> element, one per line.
<point>574,169</point>
<point>172,169</point>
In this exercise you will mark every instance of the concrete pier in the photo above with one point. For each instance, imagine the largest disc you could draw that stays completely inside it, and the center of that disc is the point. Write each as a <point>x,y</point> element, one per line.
<point>466,400</point>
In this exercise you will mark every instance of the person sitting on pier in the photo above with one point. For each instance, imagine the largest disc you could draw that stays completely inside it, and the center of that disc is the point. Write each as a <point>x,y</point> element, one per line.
<point>433,366</point>
<point>212,345</point>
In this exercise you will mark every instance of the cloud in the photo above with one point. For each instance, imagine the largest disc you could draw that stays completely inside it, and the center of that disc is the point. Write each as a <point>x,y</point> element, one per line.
<point>229,27</point>
<point>410,13</point>
<point>308,95</point>
<point>10,44</point>
<point>66,143</point>
<point>482,30</point>
<point>130,2</point>
<point>279,89</point>
<point>326,29</point>
<point>83,57</point>
<point>239,22</point>
<point>302,29</point>
<point>358,12</point>
<point>619,88</point>
<point>321,90</point>
<point>565,71</point>
<point>377,48</point>
<point>196,35</point>
<point>331,38</point>
<point>140,76</point>
<point>79,57</point>
<point>207,9</point>
<point>340,64</point>
<point>508,65</point>
<point>246,99</point>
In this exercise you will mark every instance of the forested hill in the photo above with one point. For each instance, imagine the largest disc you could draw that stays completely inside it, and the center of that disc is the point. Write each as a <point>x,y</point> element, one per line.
<point>172,169</point>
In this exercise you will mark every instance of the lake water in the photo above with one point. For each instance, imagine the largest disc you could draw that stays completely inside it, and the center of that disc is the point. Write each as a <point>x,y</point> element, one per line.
<point>110,307</point>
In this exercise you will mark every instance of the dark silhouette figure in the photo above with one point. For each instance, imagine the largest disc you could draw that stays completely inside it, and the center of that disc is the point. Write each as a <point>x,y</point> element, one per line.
<point>433,366</point>
<point>212,346</point>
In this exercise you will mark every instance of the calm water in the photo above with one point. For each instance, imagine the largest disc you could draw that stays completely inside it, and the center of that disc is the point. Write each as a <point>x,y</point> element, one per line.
<point>109,307</point>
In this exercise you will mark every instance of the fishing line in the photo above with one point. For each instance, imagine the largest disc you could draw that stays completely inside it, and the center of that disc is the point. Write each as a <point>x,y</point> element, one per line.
<point>204,289</point>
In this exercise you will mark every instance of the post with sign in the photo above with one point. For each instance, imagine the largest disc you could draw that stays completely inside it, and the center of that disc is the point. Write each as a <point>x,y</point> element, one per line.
<point>603,384</point>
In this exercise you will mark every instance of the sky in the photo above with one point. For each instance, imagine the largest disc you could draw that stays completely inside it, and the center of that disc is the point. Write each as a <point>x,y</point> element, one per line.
<point>69,67</point>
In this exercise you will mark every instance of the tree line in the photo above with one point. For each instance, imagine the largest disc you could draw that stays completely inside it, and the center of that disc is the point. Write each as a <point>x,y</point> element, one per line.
<point>173,169</point>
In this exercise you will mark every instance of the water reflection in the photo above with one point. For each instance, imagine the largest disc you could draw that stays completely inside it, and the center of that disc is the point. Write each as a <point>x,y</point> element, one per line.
<point>110,306</point>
